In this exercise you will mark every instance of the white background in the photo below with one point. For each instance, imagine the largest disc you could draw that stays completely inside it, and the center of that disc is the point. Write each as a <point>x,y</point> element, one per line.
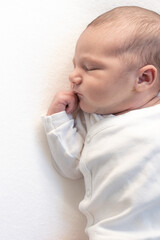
<point>37,40</point>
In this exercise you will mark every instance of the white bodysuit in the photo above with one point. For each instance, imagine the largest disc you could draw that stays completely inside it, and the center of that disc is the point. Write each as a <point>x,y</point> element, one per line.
<point>119,158</point>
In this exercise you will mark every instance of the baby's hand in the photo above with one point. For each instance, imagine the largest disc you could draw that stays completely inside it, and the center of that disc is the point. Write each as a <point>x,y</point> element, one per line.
<point>63,101</point>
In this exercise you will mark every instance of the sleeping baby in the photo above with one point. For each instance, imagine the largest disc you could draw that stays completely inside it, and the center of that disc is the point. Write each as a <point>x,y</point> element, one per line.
<point>113,141</point>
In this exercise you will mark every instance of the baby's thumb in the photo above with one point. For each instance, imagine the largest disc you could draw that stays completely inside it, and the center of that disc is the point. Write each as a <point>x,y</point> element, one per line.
<point>72,105</point>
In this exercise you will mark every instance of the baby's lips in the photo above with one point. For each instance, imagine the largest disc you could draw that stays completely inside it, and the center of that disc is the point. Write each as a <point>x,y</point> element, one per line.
<point>75,96</point>
<point>77,93</point>
<point>71,86</point>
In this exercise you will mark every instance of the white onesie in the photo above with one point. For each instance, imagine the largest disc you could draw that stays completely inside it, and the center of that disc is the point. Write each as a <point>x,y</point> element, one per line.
<point>119,158</point>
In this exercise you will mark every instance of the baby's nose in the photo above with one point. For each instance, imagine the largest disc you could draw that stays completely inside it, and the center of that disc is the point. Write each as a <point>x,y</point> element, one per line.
<point>75,78</point>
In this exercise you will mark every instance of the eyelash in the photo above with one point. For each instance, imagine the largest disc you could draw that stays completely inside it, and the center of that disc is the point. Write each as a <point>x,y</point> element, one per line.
<point>90,69</point>
<point>87,69</point>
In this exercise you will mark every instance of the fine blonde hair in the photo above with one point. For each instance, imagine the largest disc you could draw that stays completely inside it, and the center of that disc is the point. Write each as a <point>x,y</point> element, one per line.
<point>142,44</point>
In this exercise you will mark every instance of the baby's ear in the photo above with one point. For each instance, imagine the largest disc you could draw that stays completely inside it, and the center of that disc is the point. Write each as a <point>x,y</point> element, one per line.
<point>147,76</point>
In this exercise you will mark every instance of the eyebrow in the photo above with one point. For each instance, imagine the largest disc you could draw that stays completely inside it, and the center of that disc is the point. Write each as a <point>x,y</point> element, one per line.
<point>89,59</point>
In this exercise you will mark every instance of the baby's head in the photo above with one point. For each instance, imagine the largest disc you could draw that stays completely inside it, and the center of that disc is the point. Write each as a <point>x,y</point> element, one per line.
<point>117,61</point>
<point>138,34</point>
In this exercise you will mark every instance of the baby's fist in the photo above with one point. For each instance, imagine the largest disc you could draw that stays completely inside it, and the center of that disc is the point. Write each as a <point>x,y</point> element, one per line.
<point>63,101</point>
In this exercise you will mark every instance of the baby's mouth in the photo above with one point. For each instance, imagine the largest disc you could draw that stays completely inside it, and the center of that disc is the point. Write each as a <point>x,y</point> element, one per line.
<point>79,96</point>
<point>77,93</point>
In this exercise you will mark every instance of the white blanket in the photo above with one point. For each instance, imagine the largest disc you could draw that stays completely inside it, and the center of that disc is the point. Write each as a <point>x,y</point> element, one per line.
<point>37,45</point>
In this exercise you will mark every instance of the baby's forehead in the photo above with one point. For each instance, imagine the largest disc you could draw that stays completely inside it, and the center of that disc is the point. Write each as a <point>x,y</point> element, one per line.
<point>108,37</point>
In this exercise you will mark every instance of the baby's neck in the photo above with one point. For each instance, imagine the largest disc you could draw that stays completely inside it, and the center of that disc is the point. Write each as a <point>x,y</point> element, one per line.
<point>154,101</point>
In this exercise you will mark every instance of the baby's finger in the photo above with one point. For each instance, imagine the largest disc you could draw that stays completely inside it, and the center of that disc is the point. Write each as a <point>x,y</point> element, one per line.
<point>72,105</point>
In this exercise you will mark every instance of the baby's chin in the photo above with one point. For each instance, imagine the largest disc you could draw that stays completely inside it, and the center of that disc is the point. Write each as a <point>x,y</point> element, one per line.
<point>85,109</point>
<point>89,109</point>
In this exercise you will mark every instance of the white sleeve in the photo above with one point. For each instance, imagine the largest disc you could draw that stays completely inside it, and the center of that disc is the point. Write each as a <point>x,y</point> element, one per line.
<point>65,142</point>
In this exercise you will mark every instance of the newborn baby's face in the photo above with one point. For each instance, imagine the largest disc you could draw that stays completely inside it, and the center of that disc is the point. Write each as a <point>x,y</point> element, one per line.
<point>100,79</point>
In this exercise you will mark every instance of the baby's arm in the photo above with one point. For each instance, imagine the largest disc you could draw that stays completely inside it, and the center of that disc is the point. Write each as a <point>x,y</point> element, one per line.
<point>65,142</point>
